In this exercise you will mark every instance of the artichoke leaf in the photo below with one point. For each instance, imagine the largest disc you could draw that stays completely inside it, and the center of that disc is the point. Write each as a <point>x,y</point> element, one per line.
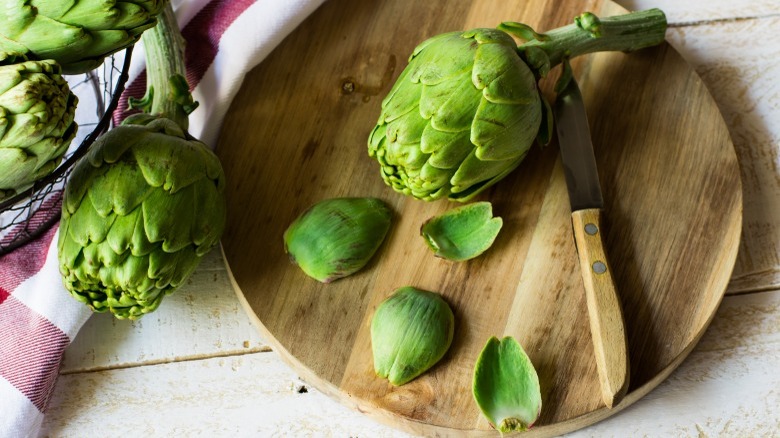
<point>206,232</point>
<point>487,35</point>
<point>502,75</point>
<point>121,190</point>
<point>503,132</point>
<point>441,59</point>
<point>410,332</point>
<point>462,233</point>
<point>474,176</point>
<point>454,112</point>
<point>432,178</point>
<point>115,14</point>
<point>19,165</point>
<point>169,219</point>
<point>406,129</point>
<point>506,386</point>
<point>402,98</point>
<point>454,149</point>
<point>128,233</point>
<point>87,225</point>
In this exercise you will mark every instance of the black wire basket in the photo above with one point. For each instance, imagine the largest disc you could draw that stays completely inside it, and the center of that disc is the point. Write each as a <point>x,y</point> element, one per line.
<point>31,212</point>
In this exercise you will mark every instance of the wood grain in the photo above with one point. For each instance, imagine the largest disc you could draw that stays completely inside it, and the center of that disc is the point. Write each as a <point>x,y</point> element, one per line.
<point>604,308</point>
<point>296,134</point>
<point>739,64</point>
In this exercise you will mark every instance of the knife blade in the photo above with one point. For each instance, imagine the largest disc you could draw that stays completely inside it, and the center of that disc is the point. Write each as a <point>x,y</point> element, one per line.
<point>607,326</point>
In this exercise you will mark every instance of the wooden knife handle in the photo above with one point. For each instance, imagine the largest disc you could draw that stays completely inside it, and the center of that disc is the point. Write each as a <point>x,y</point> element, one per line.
<point>606,318</point>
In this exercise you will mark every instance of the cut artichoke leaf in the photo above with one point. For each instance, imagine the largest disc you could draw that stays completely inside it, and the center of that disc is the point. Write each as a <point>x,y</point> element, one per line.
<point>506,386</point>
<point>462,233</point>
<point>337,237</point>
<point>410,332</point>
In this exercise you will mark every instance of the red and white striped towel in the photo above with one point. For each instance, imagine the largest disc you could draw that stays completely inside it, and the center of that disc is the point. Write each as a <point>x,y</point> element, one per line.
<point>38,318</point>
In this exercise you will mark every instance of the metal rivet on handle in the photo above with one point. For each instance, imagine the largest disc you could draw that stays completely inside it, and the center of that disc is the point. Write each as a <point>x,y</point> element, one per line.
<point>599,267</point>
<point>591,229</point>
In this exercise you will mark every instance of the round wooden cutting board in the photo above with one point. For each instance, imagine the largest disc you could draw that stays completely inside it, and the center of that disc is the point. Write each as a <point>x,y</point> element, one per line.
<point>297,133</point>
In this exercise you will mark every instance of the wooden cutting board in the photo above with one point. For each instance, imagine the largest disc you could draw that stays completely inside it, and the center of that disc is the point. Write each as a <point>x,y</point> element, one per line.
<point>297,132</point>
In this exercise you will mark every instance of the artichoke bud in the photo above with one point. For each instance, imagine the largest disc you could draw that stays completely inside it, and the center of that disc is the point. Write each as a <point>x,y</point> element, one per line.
<point>410,331</point>
<point>78,34</point>
<point>460,117</point>
<point>37,111</point>
<point>337,237</point>
<point>462,233</point>
<point>506,386</point>
<point>138,213</point>
<point>466,109</point>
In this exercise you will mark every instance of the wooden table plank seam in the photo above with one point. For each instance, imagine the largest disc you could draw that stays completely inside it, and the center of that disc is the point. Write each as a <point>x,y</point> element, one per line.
<point>714,21</point>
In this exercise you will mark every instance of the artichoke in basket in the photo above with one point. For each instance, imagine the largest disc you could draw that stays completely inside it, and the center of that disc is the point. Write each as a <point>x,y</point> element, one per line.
<point>138,213</point>
<point>146,203</point>
<point>36,122</point>
<point>76,33</point>
<point>467,108</point>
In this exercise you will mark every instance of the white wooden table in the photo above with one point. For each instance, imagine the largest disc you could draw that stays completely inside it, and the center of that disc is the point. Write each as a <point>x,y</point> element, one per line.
<point>198,367</point>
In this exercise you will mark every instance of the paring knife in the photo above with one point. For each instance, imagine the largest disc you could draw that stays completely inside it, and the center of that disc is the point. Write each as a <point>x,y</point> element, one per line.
<point>606,318</point>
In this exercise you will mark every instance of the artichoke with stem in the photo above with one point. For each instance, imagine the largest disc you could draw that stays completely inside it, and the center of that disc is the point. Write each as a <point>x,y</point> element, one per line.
<point>146,203</point>
<point>78,34</point>
<point>37,124</point>
<point>467,108</point>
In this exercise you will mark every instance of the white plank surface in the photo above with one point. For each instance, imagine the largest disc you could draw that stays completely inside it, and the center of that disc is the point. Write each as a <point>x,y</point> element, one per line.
<point>198,367</point>
<point>740,63</point>
<point>685,12</point>
<point>202,319</point>
<point>729,386</point>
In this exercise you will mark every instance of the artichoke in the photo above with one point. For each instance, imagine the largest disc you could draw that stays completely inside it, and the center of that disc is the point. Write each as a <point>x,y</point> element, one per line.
<point>146,203</point>
<point>78,34</point>
<point>139,211</point>
<point>467,108</point>
<point>36,122</point>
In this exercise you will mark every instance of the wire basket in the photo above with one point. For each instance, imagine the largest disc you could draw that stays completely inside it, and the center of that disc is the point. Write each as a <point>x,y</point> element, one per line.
<point>31,212</point>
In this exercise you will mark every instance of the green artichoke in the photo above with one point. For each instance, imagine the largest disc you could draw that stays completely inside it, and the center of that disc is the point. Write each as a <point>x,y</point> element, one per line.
<point>467,108</point>
<point>461,116</point>
<point>139,212</point>
<point>36,122</point>
<point>78,34</point>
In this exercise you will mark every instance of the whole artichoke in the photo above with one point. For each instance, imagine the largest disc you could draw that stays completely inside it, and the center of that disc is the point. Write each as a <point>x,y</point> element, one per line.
<point>139,211</point>
<point>466,109</point>
<point>462,115</point>
<point>36,122</point>
<point>76,33</point>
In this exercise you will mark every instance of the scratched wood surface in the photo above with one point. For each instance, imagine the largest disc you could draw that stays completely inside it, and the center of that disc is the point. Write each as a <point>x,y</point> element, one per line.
<point>668,170</point>
<point>201,346</point>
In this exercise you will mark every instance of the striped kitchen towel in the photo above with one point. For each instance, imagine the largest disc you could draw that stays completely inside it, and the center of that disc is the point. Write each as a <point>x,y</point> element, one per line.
<point>38,318</point>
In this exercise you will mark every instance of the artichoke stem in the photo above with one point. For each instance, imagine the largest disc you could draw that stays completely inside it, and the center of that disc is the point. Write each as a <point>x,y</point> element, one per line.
<point>167,91</point>
<point>589,34</point>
